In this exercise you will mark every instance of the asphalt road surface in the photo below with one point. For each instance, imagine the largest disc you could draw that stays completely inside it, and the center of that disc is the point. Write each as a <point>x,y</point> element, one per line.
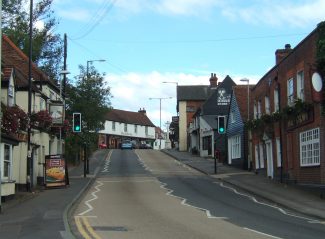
<point>145,194</point>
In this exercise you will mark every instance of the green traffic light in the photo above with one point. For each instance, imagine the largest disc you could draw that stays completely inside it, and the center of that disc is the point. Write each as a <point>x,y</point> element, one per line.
<point>221,130</point>
<point>77,128</point>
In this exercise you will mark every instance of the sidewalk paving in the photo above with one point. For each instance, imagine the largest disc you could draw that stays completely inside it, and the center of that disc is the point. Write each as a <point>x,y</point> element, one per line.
<point>294,197</point>
<point>44,213</point>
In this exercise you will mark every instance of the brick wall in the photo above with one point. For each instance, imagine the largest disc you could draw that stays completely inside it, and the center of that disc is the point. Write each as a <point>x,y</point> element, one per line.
<point>301,58</point>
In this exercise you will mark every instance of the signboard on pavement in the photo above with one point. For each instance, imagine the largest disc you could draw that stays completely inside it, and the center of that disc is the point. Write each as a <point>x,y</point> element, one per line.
<point>54,170</point>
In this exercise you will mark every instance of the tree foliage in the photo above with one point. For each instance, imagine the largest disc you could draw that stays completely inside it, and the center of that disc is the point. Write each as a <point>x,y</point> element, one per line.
<point>47,46</point>
<point>91,97</point>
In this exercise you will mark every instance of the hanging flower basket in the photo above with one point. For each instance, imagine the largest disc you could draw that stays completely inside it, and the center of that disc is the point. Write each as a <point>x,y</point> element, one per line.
<point>41,120</point>
<point>14,119</point>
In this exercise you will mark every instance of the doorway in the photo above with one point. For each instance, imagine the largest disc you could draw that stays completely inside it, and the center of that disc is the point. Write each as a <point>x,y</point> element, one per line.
<point>269,158</point>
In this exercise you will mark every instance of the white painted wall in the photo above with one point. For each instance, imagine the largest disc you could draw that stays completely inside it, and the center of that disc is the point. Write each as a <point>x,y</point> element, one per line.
<point>119,130</point>
<point>205,130</point>
<point>182,126</point>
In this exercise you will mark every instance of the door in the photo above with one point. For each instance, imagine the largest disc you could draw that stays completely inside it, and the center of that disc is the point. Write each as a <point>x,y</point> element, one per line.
<point>269,158</point>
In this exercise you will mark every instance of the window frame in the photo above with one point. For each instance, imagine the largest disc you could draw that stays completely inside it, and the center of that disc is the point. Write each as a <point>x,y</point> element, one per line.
<point>235,147</point>
<point>276,100</point>
<point>290,91</point>
<point>7,163</point>
<point>300,85</point>
<point>267,105</point>
<point>309,145</point>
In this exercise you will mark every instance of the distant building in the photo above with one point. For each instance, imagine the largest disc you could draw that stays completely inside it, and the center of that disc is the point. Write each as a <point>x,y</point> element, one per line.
<point>189,99</point>
<point>121,124</point>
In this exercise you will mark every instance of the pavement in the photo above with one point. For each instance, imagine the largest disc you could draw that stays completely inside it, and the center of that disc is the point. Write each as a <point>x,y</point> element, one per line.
<point>44,213</point>
<point>302,199</point>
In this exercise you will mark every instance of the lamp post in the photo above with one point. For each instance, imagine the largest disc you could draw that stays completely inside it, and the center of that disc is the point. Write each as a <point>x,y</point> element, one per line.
<point>248,131</point>
<point>160,98</point>
<point>87,77</point>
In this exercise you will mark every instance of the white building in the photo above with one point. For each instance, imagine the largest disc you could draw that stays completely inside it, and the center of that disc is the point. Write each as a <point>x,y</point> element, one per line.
<point>121,124</point>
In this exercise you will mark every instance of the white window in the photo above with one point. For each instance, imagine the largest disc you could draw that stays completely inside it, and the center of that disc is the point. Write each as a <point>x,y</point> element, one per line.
<point>276,100</point>
<point>235,147</point>
<point>146,130</point>
<point>7,161</point>
<point>257,161</point>
<point>290,91</point>
<point>42,104</point>
<point>125,127</point>
<point>259,109</point>
<point>261,156</point>
<point>11,96</point>
<point>135,129</point>
<point>278,152</point>
<point>113,126</point>
<point>255,111</point>
<point>267,105</point>
<point>309,148</point>
<point>300,85</point>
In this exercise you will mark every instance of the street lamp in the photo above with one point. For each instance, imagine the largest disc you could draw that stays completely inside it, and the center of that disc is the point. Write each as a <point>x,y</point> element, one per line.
<point>64,73</point>
<point>160,98</point>
<point>248,131</point>
<point>86,167</point>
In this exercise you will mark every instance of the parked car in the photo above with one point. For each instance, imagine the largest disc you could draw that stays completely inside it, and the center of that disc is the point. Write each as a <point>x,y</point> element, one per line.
<point>126,144</point>
<point>145,146</point>
<point>102,146</point>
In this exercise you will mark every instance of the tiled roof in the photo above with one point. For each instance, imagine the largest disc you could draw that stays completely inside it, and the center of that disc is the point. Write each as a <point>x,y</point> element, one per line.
<point>193,92</point>
<point>129,117</point>
<point>210,106</point>
<point>13,56</point>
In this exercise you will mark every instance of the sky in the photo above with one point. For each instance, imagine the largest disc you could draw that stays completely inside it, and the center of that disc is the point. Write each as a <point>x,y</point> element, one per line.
<point>147,42</point>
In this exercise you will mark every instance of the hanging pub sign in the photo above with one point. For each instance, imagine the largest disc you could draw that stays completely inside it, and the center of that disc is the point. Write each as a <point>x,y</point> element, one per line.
<point>54,170</point>
<point>57,113</point>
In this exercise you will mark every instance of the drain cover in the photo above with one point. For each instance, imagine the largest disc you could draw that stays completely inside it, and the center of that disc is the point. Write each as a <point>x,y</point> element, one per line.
<point>114,229</point>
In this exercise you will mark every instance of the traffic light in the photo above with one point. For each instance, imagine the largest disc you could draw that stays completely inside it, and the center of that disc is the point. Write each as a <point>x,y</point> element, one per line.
<point>76,124</point>
<point>221,124</point>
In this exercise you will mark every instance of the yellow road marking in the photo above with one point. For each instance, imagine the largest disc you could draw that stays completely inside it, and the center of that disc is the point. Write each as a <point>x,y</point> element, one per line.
<point>85,228</point>
<point>89,228</point>
<point>81,229</point>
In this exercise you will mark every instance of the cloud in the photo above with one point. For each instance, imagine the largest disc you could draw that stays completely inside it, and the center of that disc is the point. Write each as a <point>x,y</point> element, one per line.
<point>77,14</point>
<point>277,13</point>
<point>132,91</point>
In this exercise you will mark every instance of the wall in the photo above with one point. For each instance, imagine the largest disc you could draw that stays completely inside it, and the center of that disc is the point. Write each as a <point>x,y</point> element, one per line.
<point>182,144</point>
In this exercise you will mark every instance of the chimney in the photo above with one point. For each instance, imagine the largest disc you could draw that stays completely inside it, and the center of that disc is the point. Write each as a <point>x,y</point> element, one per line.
<point>142,111</point>
<point>213,80</point>
<point>280,54</point>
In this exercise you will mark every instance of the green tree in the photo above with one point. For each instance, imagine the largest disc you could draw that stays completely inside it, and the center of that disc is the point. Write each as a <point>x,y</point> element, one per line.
<point>47,46</point>
<point>91,97</point>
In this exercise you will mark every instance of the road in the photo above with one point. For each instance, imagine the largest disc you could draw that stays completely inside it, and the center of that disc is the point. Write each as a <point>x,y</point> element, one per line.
<point>146,194</point>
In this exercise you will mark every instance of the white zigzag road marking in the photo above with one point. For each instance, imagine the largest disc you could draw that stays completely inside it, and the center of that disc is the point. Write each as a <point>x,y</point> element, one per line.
<point>268,205</point>
<point>90,208</point>
<point>183,200</point>
<point>107,163</point>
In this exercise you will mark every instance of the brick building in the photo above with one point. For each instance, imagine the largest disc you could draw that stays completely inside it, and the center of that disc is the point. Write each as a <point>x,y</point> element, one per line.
<point>288,128</point>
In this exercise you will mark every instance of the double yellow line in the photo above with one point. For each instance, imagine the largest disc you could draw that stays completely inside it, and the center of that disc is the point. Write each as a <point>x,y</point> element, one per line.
<point>85,228</point>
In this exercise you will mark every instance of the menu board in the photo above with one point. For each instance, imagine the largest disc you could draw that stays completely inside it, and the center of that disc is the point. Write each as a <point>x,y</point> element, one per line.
<point>54,170</point>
